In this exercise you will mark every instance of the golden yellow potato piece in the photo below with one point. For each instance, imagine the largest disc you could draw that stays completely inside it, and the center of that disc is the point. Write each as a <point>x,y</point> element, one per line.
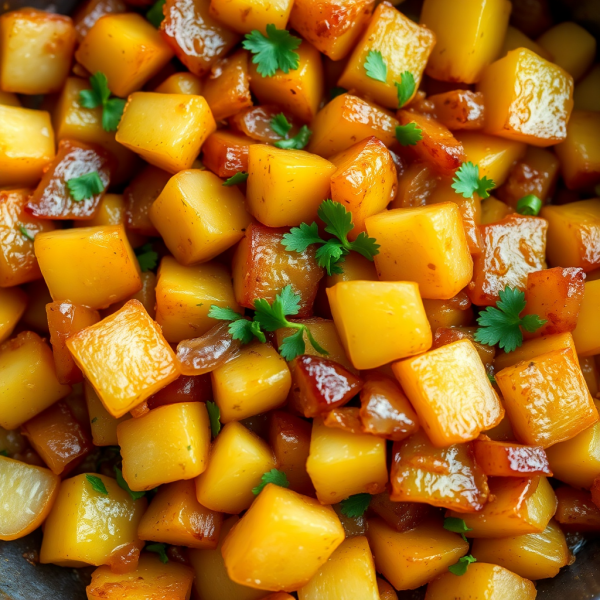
<point>102,423</point>
<point>170,443</point>
<point>425,244</point>
<point>198,217</point>
<point>125,357</point>
<point>412,558</point>
<point>349,573</point>
<point>13,302</point>
<point>404,46</point>
<point>92,266</point>
<point>587,91</point>
<point>286,187</point>
<point>85,527</point>
<point>238,460</point>
<point>150,579</point>
<point>481,580</point>
<point>527,99</point>
<point>254,382</point>
<point>356,268</point>
<point>468,42</point>
<point>450,390</point>
<point>533,555</point>
<point>245,15</point>
<point>36,49</point>
<point>171,144</point>
<point>29,382</point>
<point>184,296</point>
<point>27,145</point>
<point>181,83</point>
<point>27,494</point>
<point>379,321</point>
<point>515,39</point>
<point>271,548</point>
<point>341,463</point>
<point>127,49</point>
<point>493,210</point>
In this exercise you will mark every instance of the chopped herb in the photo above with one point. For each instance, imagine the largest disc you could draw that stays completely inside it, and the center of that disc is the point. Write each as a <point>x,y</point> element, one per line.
<point>355,506</point>
<point>4,453</point>
<point>161,550</point>
<point>501,324</point>
<point>147,257</point>
<point>491,378</point>
<point>236,179</point>
<point>467,182</point>
<point>297,142</point>
<point>273,51</point>
<point>338,222</point>
<point>460,568</point>
<point>338,91</point>
<point>85,187</point>
<point>99,95</point>
<point>123,484</point>
<point>155,14</point>
<point>189,447</point>
<point>405,88</point>
<point>273,476</point>
<point>25,233</point>
<point>457,526</point>
<point>375,66</point>
<point>280,125</point>
<point>409,134</point>
<point>94,420</point>
<point>214,415</point>
<point>97,484</point>
<point>529,205</point>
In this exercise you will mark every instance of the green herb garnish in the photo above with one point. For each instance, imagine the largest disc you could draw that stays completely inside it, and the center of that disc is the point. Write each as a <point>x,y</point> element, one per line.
<point>99,95</point>
<point>273,476</point>
<point>274,51</point>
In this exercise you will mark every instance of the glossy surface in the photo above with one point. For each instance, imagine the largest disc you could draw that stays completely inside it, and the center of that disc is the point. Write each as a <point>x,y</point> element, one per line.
<point>400,516</point>
<point>13,302</point>
<point>102,424</point>
<point>503,459</point>
<point>459,109</point>
<point>255,123</point>
<point>225,152</point>
<point>577,511</point>
<point>86,15</point>
<point>245,15</point>
<point>139,196</point>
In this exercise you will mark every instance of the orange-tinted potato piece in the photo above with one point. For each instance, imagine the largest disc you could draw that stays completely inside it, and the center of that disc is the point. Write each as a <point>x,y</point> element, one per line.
<point>576,510</point>
<point>225,152</point>
<point>385,410</point>
<point>139,196</point>
<point>255,122</point>
<point>505,459</point>
<point>346,418</point>
<point>447,335</point>
<point>58,438</point>
<point>262,267</point>
<point>401,516</point>
<point>554,295</point>
<point>186,388</point>
<point>458,109</point>
<point>64,320</point>
<point>445,477</point>
<point>454,312</point>
<point>415,186</point>
<point>89,12</point>
<point>512,248</point>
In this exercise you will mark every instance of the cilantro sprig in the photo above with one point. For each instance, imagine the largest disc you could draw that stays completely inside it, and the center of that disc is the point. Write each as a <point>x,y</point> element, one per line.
<point>155,13</point>
<point>26,233</point>
<point>124,485</point>
<point>338,222</point>
<point>214,416</point>
<point>161,550</point>
<point>274,51</point>
<point>409,134</point>
<point>456,526</point>
<point>355,506</point>
<point>97,484</point>
<point>281,126</point>
<point>4,453</point>
<point>236,179</point>
<point>467,182</point>
<point>460,568</point>
<point>270,317</point>
<point>147,257</point>
<point>502,325</point>
<point>375,66</point>
<point>405,88</point>
<point>85,186</point>
<point>99,95</point>
<point>273,476</point>
<point>376,69</point>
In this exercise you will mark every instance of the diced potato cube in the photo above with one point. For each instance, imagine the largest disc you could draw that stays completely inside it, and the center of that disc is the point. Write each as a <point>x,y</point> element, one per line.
<point>87,13</point>
<point>493,210</point>
<point>577,511</point>
<point>515,39</point>
<point>36,49</point>
<point>341,464</point>
<point>181,83</point>
<point>450,390</point>
<point>255,123</point>
<point>446,335</point>
<point>225,152</point>
<point>454,312</point>
<point>238,460</point>
<point>195,36</point>
<point>379,321</point>
<point>13,302</point>
<point>468,42</point>
<point>27,145</point>
<point>527,99</point>
<point>184,296</point>
<point>127,49</point>
<point>102,423</point>
<point>426,244</point>
<point>169,443</point>
<point>255,381</point>
<point>272,549</point>
<point>532,555</point>
<point>139,196</point>
<point>349,573</point>
<point>29,383</point>
<point>198,217</point>
<point>150,578</point>
<point>125,357</point>
<point>507,459</point>
<point>404,46</point>
<point>92,266</point>
<point>245,15</point>
<point>27,493</point>
<point>459,109</point>
<point>547,399</point>
<point>409,559</point>
<point>172,144</point>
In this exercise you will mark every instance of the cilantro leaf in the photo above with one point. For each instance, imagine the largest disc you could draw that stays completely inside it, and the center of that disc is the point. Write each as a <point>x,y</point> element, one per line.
<point>155,13</point>
<point>244,330</point>
<point>280,125</point>
<point>467,182</point>
<point>457,526</point>
<point>501,324</point>
<point>300,238</point>
<point>97,484</point>
<point>99,95</point>
<point>529,205</point>
<point>405,88</point>
<point>85,186</point>
<point>409,134</point>
<point>365,245</point>
<point>338,221</point>
<point>223,313</point>
<point>375,66</point>
<point>236,179</point>
<point>297,142</point>
<point>491,378</point>
<point>337,91</point>
<point>112,113</point>
<point>4,453</point>
<point>26,233</point>
<point>460,568</point>
<point>123,484</point>
<point>147,257</point>
<point>293,345</point>
<point>355,506</point>
<point>329,255</point>
<point>214,415</point>
<point>290,302</point>
<point>273,476</point>
<point>273,51</point>
<point>314,342</point>
<point>161,550</point>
